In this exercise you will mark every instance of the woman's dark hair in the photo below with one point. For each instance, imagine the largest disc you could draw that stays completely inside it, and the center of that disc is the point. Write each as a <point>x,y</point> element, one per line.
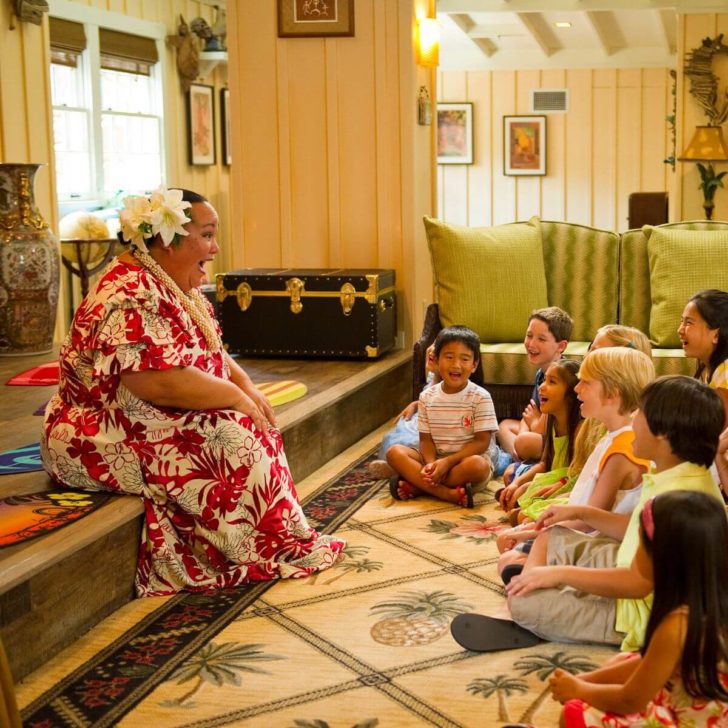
<point>187,196</point>
<point>712,305</point>
<point>689,553</point>
<point>464,335</point>
<point>566,370</point>
<point>688,413</point>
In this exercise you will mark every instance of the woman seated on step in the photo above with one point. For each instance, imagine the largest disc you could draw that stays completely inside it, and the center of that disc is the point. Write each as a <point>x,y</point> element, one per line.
<point>150,404</point>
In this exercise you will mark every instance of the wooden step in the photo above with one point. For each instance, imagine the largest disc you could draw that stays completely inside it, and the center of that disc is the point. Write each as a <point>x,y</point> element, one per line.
<point>56,587</point>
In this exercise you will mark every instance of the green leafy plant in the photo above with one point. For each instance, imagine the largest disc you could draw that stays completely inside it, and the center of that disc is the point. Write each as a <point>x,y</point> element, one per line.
<point>709,181</point>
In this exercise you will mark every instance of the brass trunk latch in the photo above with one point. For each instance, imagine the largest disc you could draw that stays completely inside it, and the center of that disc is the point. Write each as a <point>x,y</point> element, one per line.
<point>244,295</point>
<point>347,298</point>
<point>295,287</point>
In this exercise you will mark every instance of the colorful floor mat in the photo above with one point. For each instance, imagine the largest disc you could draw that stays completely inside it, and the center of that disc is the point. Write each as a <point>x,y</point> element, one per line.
<point>23,517</point>
<point>21,460</point>
<point>365,643</point>
<point>283,392</point>
<point>40,376</point>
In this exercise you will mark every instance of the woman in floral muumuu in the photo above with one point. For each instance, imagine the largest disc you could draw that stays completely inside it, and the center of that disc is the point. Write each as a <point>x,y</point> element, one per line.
<point>150,404</point>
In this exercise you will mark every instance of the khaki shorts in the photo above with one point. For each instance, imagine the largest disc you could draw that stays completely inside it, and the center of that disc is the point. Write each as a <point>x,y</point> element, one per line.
<point>565,614</point>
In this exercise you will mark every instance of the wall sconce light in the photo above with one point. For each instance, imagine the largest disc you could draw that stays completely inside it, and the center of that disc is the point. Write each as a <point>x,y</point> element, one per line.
<point>428,42</point>
<point>707,145</point>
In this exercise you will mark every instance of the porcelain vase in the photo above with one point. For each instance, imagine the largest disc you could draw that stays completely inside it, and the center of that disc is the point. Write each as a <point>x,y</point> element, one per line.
<point>29,267</point>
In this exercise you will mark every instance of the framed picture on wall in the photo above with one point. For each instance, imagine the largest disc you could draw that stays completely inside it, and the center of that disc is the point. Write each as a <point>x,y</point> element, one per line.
<point>455,133</point>
<point>201,123</point>
<point>225,125</point>
<point>524,145</point>
<point>315,18</point>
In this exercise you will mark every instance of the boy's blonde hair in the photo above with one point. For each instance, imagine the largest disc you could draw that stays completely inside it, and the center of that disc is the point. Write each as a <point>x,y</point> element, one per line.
<point>627,336</point>
<point>621,371</point>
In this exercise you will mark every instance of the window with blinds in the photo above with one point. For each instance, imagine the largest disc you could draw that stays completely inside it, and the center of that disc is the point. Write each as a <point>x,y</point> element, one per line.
<point>107,114</point>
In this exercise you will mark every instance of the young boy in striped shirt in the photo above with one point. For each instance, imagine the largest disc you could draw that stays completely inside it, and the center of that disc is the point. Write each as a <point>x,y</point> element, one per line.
<point>456,423</point>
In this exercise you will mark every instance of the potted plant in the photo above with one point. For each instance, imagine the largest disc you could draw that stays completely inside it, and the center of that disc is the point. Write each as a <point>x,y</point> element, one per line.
<point>709,183</point>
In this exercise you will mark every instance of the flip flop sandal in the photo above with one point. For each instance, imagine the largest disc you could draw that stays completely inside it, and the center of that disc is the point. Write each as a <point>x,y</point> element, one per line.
<point>479,633</point>
<point>499,492</point>
<point>510,571</point>
<point>395,487</point>
<point>465,495</point>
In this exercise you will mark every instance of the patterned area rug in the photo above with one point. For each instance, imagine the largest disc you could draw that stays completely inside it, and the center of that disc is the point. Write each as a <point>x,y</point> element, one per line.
<point>23,517</point>
<point>365,643</point>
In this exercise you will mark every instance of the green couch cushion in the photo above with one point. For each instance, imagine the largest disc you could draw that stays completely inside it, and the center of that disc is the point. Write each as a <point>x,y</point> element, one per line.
<point>508,364</point>
<point>635,299</point>
<point>682,262</point>
<point>488,278</point>
<point>582,272</point>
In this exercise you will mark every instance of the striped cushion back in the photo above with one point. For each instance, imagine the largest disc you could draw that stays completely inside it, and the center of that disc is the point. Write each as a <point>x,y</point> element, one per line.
<point>581,274</point>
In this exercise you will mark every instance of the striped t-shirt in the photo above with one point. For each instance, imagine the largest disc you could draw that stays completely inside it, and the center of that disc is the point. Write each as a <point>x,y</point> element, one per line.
<point>453,419</point>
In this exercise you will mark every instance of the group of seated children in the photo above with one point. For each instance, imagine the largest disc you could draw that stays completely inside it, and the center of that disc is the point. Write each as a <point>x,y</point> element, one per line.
<point>619,532</point>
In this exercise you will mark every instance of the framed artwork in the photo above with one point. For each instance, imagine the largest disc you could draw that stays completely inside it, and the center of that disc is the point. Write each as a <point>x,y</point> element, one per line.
<point>524,145</point>
<point>315,18</point>
<point>201,123</point>
<point>455,133</point>
<point>225,125</point>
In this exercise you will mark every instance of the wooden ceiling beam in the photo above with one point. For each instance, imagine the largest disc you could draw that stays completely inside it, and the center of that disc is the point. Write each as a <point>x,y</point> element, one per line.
<point>538,29</point>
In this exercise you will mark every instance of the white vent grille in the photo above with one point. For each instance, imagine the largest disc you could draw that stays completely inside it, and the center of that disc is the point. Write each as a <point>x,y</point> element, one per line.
<point>549,101</point>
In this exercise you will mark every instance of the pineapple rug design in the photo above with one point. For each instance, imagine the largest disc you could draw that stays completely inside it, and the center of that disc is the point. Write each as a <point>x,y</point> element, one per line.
<point>365,643</point>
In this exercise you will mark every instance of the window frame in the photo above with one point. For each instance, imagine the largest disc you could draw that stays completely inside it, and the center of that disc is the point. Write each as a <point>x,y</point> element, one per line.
<point>92,19</point>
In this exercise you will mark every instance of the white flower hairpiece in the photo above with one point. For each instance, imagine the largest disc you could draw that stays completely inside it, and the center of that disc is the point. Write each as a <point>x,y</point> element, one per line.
<point>161,214</point>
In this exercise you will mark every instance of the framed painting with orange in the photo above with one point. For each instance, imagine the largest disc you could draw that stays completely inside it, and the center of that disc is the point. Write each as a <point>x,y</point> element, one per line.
<point>524,145</point>
<point>201,123</point>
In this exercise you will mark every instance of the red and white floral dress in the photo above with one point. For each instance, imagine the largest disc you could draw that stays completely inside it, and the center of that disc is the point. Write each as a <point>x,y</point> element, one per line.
<point>672,707</point>
<point>221,508</point>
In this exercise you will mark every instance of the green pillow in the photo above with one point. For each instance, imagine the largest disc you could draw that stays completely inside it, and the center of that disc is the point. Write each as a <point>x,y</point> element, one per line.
<point>488,278</point>
<point>682,262</point>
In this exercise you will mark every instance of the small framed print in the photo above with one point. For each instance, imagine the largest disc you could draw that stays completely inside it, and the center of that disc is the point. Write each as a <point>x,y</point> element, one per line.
<point>225,125</point>
<point>201,123</point>
<point>315,18</point>
<point>524,145</point>
<point>455,133</point>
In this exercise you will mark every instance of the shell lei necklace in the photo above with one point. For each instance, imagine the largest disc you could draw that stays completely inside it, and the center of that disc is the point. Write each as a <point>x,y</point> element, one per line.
<point>191,302</point>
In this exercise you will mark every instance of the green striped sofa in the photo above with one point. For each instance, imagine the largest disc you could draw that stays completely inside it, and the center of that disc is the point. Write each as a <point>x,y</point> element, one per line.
<point>599,277</point>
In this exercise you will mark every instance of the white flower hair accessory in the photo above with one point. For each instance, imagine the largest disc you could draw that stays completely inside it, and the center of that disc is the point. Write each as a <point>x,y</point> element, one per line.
<point>161,214</point>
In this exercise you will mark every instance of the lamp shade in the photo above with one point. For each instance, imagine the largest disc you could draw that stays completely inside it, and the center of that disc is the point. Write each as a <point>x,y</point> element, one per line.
<point>707,145</point>
<point>428,40</point>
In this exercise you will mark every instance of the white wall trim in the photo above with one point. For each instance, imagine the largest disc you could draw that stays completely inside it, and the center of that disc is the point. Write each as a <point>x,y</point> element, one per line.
<point>69,10</point>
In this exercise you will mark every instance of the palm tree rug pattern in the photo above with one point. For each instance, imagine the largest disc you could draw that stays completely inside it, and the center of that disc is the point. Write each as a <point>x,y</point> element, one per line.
<point>366,643</point>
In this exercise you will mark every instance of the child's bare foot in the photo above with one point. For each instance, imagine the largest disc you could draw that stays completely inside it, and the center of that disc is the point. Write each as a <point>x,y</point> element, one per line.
<point>465,495</point>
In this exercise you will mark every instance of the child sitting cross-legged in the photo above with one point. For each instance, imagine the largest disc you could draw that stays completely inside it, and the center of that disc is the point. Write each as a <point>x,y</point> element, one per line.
<point>560,406</point>
<point>580,588</point>
<point>610,383</point>
<point>456,424</point>
<point>680,676</point>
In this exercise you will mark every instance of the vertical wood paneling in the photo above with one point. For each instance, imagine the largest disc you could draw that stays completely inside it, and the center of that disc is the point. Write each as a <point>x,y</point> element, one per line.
<point>553,199</point>
<point>604,155</point>
<point>690,199</point>
<point>629,135</point>
<point>528,189</point>
<point>479,185</point>
<point>455,176</point>
<point>610,143</point>
<point>503,95</point>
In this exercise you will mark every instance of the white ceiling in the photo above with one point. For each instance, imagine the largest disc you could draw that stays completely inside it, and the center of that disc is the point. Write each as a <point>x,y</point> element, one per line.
<point>521,34</point>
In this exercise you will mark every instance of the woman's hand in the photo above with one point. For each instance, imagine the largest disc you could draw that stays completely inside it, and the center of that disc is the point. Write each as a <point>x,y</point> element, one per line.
<point>537,577</point>
<point>563,685</point>
<point>247,406</point>
<point>262,403</point>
